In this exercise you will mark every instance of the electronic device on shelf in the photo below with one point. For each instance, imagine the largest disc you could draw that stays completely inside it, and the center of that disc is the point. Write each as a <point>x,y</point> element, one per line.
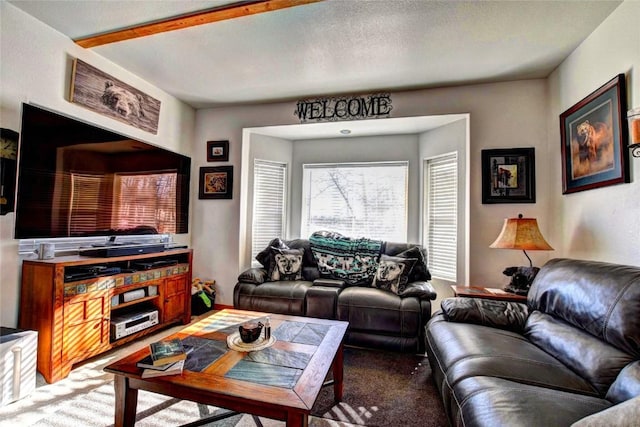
<point>148,265</point>
<point>108,251</point>
<point>82,272</point>
<point>128,323</point>
<point>134,295</point>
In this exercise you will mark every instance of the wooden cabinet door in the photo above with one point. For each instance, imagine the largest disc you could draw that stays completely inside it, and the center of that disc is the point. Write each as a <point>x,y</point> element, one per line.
<point>86,326</point>
<point>176,299</point>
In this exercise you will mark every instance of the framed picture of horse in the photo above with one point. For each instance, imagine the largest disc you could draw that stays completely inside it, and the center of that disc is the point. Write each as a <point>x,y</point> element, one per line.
<point>594,139</point>
<point>508,175</point>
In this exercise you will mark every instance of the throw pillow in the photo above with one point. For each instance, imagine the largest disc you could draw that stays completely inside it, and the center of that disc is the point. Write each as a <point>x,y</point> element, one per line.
<point>265,255</point>
<point>286,264</point>
<point>393,273</point>
<point>420,272</point>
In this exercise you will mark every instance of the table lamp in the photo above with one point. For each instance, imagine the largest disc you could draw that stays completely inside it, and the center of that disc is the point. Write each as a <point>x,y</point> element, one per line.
<point>521,233</point>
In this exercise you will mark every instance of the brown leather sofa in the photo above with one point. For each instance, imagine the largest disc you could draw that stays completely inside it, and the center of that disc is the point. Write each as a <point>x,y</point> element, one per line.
<point>377,318</point>
<point>572,351</point>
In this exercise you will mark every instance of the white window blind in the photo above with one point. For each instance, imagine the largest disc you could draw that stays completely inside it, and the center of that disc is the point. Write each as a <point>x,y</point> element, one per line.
<point>269,203</point>
<point>441,186</point>
<point>356,199</point>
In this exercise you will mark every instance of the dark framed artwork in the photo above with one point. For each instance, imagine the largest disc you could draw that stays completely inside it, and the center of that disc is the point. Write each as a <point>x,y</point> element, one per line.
<point>594,139</point>
<point>508,175</point>
<point>216,182</point>
<point>106,95</point>
<point>217,151</point>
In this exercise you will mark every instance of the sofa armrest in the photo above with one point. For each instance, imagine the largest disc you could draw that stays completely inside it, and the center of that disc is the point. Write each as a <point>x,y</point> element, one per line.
<point>495,313</point>
<point>420,290</point>
<point>253,275</point>
<point>329,283</point>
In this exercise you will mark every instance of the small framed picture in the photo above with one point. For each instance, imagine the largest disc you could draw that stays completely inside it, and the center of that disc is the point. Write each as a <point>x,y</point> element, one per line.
<point>508,175</point>
<point>217,151</point>
<point>594,139</point>
<point>216,182</point>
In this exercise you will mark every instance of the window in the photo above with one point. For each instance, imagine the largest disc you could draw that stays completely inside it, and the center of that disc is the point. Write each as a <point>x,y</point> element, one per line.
<point>269,203</point>
<point>356,199</point>
<point>441,215</point>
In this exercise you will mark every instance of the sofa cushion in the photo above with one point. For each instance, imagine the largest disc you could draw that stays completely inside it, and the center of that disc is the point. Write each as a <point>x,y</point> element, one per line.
<point>485,401</point>
<point>380,312</point>
<point>393,273</point>
<point>599,298</point>
<point>591,358</point>
<point>286,264</point>
<point>284,297</point>
<point>495,313</point>
<point>463,350</point>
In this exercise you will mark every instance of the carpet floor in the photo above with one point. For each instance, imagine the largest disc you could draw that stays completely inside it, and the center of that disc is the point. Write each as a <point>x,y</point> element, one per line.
<point>380,389</point>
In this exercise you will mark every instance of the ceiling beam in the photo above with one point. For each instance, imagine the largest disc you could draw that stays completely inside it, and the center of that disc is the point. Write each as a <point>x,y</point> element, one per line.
<point>231,11</point>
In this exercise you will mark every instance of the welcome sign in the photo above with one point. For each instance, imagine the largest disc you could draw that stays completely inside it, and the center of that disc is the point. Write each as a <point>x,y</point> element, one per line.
<point>344,108</point>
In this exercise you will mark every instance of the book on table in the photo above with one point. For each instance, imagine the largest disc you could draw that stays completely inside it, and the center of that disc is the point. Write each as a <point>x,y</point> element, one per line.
<point>147,362</point>
<point>174,368</point>
<point>167,351</point>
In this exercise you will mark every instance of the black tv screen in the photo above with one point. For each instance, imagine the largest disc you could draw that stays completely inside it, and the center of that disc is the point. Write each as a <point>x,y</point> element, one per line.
<point>78,180</point>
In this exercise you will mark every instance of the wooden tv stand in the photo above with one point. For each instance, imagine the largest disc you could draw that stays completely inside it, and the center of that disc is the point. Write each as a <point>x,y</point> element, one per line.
<point>72,314</point>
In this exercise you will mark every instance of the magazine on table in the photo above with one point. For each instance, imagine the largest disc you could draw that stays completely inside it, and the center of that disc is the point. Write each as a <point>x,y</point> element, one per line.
<point>148,363</point>
<point>173,369</point>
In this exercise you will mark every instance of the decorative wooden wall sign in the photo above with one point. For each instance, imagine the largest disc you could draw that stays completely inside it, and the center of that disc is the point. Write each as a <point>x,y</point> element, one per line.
<point>100,92</point>
<point>340,108</point>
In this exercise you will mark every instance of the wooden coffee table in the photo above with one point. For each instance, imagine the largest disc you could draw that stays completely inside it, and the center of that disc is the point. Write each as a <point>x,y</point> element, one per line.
<point>280,382</point>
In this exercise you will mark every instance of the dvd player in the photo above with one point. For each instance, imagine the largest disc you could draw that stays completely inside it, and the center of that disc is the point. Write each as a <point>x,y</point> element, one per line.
<point>154,264</point>
<point>108,251</point>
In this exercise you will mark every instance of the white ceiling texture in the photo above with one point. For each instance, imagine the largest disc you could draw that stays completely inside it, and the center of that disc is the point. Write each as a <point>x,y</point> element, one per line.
<point>333,46</point>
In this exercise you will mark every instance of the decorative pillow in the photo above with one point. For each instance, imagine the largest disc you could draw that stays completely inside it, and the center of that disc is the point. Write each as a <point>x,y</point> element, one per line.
<point>420,272</point>
<point>264,256</point>
<point>393,273</point>
<point>286,264</point>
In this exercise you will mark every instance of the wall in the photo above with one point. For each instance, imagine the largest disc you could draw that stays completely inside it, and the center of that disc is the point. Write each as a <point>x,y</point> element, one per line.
<point>502,115</point>
<point>36,68</point>
<point>604,223</point>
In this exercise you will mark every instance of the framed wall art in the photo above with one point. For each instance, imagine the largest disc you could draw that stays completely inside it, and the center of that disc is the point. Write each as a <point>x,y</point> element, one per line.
<point>216,182</point>
<point>508,175</point>
<point>217,151</point>
<point>100,92</point>
<point>594,139</point>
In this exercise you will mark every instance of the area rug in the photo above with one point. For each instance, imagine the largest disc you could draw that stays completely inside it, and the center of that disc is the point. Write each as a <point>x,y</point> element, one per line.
<point>380,389</point>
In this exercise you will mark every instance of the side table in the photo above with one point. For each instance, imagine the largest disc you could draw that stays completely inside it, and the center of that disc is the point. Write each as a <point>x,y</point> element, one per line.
<point>482,292</point>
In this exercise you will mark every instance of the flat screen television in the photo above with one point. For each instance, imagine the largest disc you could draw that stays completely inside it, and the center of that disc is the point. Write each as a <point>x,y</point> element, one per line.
<point>78,180</point>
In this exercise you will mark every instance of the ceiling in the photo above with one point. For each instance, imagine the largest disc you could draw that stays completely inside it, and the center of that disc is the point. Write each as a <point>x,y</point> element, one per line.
<point>333,46</point>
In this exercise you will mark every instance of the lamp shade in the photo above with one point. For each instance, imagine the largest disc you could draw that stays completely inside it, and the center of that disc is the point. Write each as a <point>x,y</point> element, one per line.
<point>521,233</point>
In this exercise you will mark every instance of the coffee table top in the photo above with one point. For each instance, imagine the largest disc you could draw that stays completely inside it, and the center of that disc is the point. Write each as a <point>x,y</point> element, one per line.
<point>288,373</point>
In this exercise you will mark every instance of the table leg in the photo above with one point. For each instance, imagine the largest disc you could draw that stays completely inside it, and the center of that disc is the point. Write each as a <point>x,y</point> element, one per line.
<point>338,363</point>
<point>126,402</point>
<point>296,419</point>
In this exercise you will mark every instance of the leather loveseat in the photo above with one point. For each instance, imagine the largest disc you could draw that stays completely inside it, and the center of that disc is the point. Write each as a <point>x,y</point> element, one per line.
<point>570,356</point>
<point>378,318</point>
